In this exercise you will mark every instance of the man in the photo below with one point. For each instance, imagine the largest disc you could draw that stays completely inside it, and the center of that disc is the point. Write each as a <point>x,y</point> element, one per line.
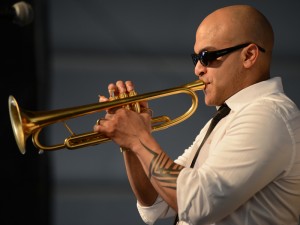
<point>248,170</point>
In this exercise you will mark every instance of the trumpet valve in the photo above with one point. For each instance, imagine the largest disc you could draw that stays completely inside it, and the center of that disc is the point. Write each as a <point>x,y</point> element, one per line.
<point>112,94</point>
<point>135,106</point>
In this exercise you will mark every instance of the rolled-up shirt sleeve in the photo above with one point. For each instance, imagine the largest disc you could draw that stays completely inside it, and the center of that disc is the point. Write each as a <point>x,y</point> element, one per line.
<point>159,209</point>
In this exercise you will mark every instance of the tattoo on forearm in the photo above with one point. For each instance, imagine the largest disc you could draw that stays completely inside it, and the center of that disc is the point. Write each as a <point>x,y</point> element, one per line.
<point>163,169</point>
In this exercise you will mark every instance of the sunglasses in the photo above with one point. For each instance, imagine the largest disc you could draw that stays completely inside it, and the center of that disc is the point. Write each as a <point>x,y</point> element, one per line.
<point>206,57</point>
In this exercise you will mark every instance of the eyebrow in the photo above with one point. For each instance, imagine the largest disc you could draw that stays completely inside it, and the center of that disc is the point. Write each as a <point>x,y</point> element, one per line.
<point>207,48</point>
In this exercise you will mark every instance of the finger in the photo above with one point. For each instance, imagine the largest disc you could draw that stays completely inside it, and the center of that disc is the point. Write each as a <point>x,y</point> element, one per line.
<point>109,116</point>
<point>117,91</point>
<point>121,87</point>
<point>123,92</point>
<point>129,86</point>
<point>131,92</point>
<point>99,123</point>
<point>144,104</point>
<point>113,91</point>
<point>102,98</point>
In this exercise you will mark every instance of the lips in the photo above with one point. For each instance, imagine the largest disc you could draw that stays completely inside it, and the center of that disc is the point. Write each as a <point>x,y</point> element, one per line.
<point>206,83</point>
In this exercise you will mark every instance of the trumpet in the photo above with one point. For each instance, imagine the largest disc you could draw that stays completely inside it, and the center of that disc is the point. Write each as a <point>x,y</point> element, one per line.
<point>27,123</point>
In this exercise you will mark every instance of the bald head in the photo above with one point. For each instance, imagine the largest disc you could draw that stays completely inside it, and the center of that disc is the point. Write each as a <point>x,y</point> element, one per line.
<point>238,24</point>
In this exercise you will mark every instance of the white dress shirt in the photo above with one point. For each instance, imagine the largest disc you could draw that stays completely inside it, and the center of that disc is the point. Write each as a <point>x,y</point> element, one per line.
<point>248,171</point>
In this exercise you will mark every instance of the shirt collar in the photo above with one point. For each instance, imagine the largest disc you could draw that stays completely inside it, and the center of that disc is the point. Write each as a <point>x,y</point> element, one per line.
<point>253,92</point>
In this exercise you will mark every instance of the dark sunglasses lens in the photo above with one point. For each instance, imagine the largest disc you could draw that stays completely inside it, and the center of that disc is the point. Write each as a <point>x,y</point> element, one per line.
<point>195,59</point>
<point>203,58</point>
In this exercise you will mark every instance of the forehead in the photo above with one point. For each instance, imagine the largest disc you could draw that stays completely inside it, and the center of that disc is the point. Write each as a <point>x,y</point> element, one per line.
<point>217,30</point>
<point>212,36</point>
<point>207,39</point>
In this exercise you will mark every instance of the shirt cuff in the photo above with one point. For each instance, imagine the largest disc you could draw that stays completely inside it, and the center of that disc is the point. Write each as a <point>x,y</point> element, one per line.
<point>159,209</point>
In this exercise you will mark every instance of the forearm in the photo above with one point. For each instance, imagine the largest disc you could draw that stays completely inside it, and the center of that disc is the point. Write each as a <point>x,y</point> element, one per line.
<point>160,169</point>
<point>139,182</point>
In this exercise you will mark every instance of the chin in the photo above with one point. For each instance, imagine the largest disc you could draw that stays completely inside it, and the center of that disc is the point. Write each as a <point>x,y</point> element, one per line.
<point>213,97</point>
<point>208,102</point>
<point>211,102</point>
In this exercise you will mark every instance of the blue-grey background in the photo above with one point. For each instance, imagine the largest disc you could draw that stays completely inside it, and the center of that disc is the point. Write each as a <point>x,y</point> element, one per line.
<point>93,43</point>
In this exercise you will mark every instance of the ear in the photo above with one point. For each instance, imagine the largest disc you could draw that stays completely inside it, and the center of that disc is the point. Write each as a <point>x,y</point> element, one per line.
<point>250,55</point>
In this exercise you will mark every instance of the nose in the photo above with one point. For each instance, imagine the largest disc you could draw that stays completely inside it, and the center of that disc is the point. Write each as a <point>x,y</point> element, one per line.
<point>199,70</point>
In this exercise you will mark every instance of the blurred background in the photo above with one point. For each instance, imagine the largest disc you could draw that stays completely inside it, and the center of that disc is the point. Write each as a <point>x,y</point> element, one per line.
<point>66,57</point>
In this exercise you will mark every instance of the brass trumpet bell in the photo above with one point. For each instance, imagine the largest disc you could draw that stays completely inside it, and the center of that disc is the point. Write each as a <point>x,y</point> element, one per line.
<point>26,123</point>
